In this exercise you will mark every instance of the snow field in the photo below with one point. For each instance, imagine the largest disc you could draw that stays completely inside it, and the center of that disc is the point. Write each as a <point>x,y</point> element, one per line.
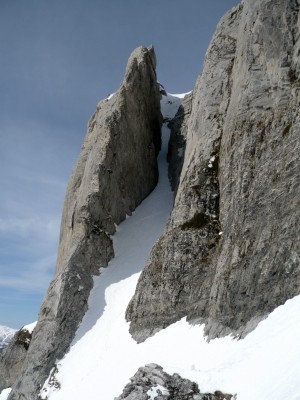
<point>4,394</point>
<point>29,327</point>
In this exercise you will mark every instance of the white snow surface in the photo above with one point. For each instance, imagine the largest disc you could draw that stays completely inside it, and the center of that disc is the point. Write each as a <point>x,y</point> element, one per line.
<point>29,327</point>
<point>170,105</point>
<point>156,391</point>
<point>103,356</point>
<point>179,95</point>
<point>6,334</point>
<point>110,96</point>
<point>4,394</point>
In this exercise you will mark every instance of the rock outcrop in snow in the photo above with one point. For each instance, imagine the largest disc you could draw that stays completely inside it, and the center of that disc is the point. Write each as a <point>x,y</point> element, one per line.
<point>116,170</point>
<point>229,256</point>
<point>152,382</point>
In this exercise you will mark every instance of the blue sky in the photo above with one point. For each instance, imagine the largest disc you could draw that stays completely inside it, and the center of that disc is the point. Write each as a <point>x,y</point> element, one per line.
<point>58,59</point>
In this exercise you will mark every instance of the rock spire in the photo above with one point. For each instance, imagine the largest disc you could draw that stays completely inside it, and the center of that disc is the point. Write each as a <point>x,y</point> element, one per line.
<point>115,171</point>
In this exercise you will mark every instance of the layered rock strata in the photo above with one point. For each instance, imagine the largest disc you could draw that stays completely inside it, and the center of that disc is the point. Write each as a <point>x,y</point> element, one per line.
<point>116,170</point>
<point>152,382</point>
<point>229,254</point>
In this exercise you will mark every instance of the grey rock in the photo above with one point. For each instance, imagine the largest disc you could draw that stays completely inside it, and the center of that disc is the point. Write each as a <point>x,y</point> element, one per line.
<point>153,379</point>
<point>178,126</point>
<point>12,358</point>
<point>229,255</point>
<point>116,170</point>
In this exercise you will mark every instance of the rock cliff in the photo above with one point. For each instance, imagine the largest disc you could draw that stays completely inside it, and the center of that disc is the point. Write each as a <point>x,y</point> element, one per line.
<point>116,170</point>
<point>229,254</point>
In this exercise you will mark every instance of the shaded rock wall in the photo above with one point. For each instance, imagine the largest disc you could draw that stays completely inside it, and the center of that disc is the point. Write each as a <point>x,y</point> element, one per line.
<point>116,170</point>
<point>229,255</point>
<point>178,126</point>
<point>12,358</point>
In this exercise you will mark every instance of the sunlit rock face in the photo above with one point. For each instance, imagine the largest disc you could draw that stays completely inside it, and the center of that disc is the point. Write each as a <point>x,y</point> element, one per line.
<point>116,170</point>
<point>229,254</point>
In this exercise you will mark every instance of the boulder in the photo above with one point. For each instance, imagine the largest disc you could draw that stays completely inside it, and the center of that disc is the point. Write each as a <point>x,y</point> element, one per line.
<point>152,382</point>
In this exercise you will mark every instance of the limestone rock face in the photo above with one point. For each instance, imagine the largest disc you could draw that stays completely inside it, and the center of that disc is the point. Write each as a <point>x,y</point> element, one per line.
<point>230,253</point>
<point>116,170</point>
<point>152,382</point>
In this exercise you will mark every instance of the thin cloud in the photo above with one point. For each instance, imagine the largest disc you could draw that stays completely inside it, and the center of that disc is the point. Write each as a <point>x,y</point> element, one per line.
<point>34,174</point>
<point>31,278</point>
<point>37,226</point>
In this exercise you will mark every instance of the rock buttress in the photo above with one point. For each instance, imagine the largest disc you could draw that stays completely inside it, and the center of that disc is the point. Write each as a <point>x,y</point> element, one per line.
<point>229,254</point>
<point>116,170</point>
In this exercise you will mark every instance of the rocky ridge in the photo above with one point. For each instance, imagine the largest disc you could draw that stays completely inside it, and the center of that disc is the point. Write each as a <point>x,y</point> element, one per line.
<point>228,256</point>
<point>116,170</point>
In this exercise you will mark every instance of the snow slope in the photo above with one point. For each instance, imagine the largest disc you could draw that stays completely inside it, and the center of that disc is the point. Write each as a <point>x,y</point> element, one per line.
<point>29,327</point>
<point>263,366</point>
<point>4,394</point>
